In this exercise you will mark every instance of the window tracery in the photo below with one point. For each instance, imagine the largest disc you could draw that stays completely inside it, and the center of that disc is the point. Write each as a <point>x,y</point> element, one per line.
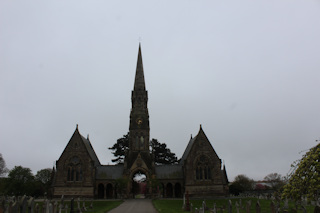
<point>203,168</point>
<point>74,169</point>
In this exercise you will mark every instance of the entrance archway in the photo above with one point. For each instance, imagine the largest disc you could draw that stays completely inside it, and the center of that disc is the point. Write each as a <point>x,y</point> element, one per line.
<point>169,190</point>
<point>177,190</point>
<point>100,191</point>
<point>109,191</point>
<point>139,184</point>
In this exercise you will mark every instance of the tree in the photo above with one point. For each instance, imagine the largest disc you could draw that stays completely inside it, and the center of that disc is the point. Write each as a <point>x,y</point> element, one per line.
<point>43,181</point>
<point>162,154</point>
<point>276,181</point>
<point>3,169</point>
<point>44,176</point>
<point>304,180</point>
<point>120,148</point>
<point>20,181</point>
<point>240,184</point>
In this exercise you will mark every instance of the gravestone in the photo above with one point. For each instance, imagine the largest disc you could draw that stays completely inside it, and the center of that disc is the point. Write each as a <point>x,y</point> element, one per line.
<point>191,207</point>
<point>15,207</point>
<point>214,208</point>
<point>84,208</point>
<point>23,204</point>
<point>50,208</point>
<point>204,206</point>
<point>229,206</point>
<point>66,208</point>
<point>237,207</point>
<point>72,206</point>
<point>258,207</point>
<point>36,208</point>
<point>31,205</point>
<point>248,206</point>
<point>55,207</point>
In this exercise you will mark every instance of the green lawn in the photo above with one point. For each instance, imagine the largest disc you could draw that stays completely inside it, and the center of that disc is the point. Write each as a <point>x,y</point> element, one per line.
<point>173,206</point>
<point>98,206</point>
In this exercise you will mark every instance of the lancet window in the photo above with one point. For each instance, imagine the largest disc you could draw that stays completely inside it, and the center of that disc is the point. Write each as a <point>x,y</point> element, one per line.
<point>203,168</point>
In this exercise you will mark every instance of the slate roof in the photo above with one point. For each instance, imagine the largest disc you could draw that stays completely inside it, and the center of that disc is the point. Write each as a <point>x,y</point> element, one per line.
<point>187,150</point>
<point>109,172</point>
<point>91,151</point>
<point>169,171</point>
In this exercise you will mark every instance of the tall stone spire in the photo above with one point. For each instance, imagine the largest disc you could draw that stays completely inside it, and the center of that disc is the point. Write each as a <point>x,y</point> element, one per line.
<point>139,83</point>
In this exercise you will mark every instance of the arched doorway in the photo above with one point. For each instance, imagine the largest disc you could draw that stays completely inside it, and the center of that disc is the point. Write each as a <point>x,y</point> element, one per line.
<point>177,190</point>
<point>162,191</point>
<point>169,190</point>
<point>109,191</point>
<point>139,185</point>
<point>100,191</point>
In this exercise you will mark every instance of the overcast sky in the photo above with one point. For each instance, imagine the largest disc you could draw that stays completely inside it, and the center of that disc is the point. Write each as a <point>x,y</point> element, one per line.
<point>248,71</point>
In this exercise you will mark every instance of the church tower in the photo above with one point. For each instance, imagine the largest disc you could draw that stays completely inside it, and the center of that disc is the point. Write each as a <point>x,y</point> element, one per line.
<point>138,156</point>
<point>139,129</point>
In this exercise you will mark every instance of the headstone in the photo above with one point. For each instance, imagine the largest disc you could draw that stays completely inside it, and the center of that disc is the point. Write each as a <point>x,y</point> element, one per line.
<point>23,204</point>
<point>66,208</point>
<point>191,207</point>
<point>50,208</point>
<point>15,207</point>
<point>229,206</point>
<point>237,207</point>
<point>84,208</point>
<point>31,205</point>
<point>62,200</point>
<point>204,206</point>
<point>79,208</point>
<point>72,206</point>
<point>36,208</point>
<point>248,206</point>
<point>55,207</point>
<point>214,208</point>
<point>47,206</point>
<point>258,207</point>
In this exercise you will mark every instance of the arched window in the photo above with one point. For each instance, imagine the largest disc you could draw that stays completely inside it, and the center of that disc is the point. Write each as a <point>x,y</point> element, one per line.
<point>75,170</point>
<point>203,169</point>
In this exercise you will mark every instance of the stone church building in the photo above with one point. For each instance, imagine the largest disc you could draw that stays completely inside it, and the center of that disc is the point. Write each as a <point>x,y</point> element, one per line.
<point>79,172</point>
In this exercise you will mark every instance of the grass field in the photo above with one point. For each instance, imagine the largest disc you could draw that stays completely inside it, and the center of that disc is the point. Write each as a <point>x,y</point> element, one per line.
<point>175,206</point>
<point>98,206</point>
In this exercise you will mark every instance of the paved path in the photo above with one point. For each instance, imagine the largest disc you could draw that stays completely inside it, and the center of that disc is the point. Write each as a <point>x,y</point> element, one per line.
<point>135,206</point>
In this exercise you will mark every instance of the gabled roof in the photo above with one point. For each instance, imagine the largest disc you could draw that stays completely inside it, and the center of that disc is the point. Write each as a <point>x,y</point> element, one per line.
<point>109,172</point>
<point>190,144</point>
<point>91,151</point>
<point>77,136</point>
<point>187,150</point>
<point>169,171</point>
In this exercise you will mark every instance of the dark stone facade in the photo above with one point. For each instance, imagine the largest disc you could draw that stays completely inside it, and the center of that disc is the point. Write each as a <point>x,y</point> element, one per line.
<point>79,172</point>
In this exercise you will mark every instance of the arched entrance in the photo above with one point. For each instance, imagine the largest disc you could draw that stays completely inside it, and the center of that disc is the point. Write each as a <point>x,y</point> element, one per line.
<point>169,190</point>
<point>139,185</point>
<point>109,191</point>
<point>100,191</point>
<point>177,190</point>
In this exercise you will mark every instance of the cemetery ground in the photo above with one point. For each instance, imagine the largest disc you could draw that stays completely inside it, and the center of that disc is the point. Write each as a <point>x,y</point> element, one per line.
<point>99,206</point>
<point>175,205</point>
